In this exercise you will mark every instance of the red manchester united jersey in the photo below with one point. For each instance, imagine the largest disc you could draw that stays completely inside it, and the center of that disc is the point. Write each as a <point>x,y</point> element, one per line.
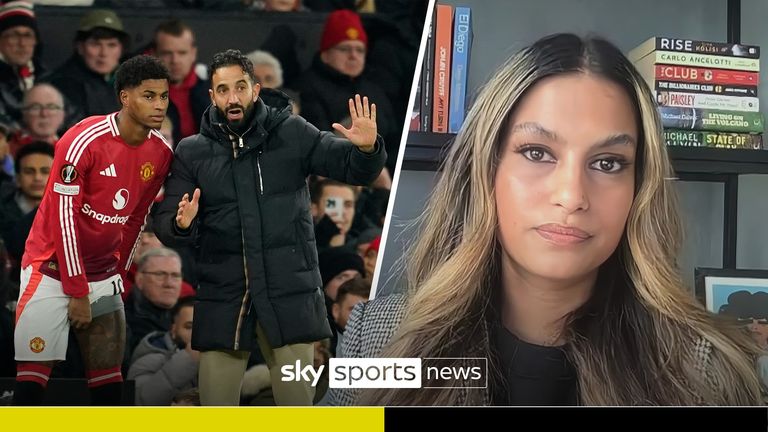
<point>95,203</point>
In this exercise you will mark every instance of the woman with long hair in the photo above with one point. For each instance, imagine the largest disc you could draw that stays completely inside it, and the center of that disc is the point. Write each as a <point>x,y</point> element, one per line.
<point>549,246</point>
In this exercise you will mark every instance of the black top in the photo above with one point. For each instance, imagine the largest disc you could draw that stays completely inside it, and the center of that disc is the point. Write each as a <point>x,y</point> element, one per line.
<point>533,374</point>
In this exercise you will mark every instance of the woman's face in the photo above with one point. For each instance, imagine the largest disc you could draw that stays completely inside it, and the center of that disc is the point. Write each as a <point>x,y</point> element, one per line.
<point>566,177</point>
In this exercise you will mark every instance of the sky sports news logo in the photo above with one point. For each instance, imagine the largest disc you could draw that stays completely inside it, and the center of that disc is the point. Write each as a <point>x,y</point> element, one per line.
<point>394,373</point>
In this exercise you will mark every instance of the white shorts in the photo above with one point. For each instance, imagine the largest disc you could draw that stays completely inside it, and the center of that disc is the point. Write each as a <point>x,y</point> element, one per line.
<point>42,322</point>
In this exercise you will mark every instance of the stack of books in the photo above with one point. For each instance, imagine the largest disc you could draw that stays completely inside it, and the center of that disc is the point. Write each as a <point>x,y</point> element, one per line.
<point>441,95</point>
<point>706,91</point>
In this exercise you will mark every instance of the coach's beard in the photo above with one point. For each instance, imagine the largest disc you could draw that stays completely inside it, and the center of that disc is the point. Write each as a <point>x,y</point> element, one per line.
<point>238,125</point>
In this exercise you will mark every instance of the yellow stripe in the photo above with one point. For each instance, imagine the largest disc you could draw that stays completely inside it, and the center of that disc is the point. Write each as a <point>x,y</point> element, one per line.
<point>132,419</point>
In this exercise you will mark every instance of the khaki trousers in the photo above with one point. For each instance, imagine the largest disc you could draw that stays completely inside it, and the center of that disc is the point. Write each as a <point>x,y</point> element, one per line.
<point>221,374</point>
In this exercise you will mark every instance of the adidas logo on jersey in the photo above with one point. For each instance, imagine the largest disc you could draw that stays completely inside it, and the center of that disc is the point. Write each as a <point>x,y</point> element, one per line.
<point>109,171</point>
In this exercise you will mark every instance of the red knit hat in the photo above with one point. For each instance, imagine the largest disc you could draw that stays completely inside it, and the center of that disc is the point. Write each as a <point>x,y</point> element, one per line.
<point>342,25</point>
<point>374,244</point>
<point>17,13</point>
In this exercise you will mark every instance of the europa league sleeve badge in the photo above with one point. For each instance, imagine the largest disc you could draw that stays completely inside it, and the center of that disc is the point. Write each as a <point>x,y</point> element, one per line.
<point>68,173</point>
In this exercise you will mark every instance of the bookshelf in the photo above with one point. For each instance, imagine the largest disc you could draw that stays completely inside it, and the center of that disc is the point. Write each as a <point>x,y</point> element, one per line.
<point>720,189</point>
<point>425,152</point>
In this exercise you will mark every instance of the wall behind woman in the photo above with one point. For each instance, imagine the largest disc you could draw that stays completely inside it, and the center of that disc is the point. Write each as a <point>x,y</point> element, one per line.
<point>626,24</point>
<point>753,201</point>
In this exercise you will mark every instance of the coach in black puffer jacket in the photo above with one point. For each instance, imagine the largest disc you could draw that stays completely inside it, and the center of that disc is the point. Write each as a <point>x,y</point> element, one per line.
<point>257,257</point>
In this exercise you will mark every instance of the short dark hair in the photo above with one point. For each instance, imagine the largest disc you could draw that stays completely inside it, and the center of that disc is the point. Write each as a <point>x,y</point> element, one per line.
<point>316,188</point>
<point>188,301</point>
<point>231,57</point>
<point>35,147</point>
<point>133,71</point>
<point>355,286</point>
<point>174,27</point>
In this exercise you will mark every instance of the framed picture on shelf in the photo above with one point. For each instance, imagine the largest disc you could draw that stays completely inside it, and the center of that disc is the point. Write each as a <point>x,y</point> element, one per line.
<point>741,295</point>
<point>733,292</point>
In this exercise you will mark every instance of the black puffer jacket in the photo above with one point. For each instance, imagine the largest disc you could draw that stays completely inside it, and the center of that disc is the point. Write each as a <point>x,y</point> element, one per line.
<point>257,258</point>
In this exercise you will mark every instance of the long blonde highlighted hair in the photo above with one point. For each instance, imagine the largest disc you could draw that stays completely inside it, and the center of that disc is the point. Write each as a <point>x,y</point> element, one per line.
<point>634,341</point>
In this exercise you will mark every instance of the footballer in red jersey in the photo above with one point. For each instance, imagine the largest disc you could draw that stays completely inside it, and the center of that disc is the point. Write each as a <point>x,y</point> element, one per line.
<point>106,173</point>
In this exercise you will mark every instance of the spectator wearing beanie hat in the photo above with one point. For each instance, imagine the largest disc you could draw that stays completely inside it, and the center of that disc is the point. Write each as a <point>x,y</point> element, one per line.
<point>19,68</point>
<point>344,43</point>
<point>370,258</point>
<point>87,79</point>
<point>338,265</point>
<point>337,73</point>
<point>365,238</point>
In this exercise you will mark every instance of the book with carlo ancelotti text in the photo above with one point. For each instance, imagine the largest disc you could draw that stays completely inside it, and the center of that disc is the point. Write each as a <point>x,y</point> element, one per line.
<point>693,46</point>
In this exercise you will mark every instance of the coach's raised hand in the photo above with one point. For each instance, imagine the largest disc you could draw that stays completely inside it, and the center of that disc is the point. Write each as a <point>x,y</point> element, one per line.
<point>362,133</point>
<point>187,209</point>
